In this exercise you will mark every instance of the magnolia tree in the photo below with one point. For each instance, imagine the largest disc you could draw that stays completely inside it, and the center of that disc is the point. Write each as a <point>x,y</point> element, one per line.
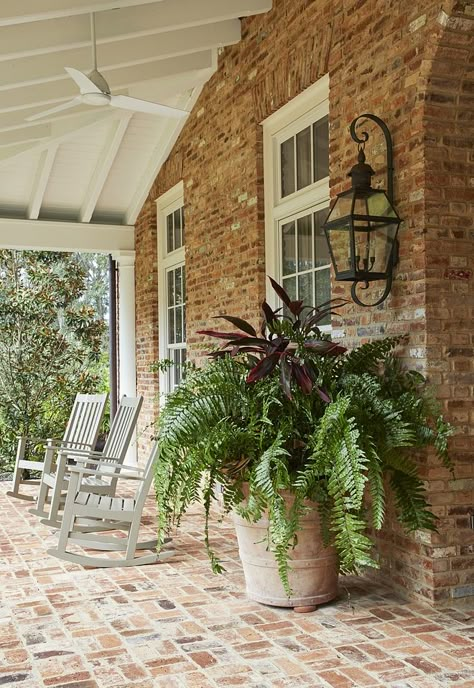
<point>50,345</point>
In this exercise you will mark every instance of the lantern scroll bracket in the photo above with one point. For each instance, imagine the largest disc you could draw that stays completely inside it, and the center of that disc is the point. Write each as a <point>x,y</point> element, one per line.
<point>363,137</point>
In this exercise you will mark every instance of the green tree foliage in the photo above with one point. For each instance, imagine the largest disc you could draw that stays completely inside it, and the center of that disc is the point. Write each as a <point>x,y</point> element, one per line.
<point>50,345</point>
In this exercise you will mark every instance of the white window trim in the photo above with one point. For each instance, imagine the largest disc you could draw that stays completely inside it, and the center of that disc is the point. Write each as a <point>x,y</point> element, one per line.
<point>309,106</point>
<point>166,204</point>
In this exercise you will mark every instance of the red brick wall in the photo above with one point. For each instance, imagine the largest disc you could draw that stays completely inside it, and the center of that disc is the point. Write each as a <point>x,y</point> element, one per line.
<point>402,62</point>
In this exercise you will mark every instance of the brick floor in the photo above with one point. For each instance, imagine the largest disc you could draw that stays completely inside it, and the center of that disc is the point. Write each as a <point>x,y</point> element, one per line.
<point>177,625</point>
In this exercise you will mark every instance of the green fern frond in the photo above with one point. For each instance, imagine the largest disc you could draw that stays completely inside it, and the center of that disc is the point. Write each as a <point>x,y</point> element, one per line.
<point>411,502</point>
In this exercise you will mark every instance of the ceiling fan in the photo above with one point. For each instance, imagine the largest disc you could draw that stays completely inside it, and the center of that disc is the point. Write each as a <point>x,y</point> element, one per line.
<point>94,90</point>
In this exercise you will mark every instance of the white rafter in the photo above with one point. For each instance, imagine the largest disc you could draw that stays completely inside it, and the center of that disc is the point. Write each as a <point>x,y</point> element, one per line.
<point>50,66</point>
<point>39,95</point>
<point>41,180</point>
<point>74,32</point>
<point>107,157</point>
<point>41,10</point>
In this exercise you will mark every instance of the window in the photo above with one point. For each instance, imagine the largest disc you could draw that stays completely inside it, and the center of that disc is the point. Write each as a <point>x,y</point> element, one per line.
<point>296,156</point>
<point>171,286</point>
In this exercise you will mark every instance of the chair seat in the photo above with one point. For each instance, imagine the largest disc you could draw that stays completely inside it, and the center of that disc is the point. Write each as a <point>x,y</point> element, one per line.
<point>104,503</point>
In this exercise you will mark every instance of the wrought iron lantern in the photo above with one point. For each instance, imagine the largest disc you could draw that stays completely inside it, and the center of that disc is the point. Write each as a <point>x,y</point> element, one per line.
<point>362,226</point>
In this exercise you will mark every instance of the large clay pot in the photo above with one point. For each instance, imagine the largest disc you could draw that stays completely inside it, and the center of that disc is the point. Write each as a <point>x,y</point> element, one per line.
<point>314,568</point>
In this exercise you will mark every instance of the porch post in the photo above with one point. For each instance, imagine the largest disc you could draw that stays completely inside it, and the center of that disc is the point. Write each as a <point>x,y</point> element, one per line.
<point>126,312</point>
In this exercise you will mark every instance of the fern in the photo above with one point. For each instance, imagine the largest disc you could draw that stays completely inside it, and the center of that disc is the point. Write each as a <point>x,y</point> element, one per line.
<point>257,442</point>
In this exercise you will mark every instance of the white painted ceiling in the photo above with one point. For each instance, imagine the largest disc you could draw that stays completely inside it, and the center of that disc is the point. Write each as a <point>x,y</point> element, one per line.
<point>96,164</point>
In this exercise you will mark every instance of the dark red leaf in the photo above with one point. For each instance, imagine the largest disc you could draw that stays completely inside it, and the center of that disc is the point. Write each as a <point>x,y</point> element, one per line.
<point>268,312</point>
<point>241,324</point>
<point>263,368</point>
<point>295,307</point>
<point>302,378</point>
<point>336,350</point>
<point>250,341</point>
<point>281,292</point>
<point>221,335</point>
<point>318,345</point>
<point>285,376</point>
<point>323,394</point>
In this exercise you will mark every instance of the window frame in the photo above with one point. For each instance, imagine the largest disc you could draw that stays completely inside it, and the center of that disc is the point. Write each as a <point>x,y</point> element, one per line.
<point>301,112</point>
<point>166,204</point>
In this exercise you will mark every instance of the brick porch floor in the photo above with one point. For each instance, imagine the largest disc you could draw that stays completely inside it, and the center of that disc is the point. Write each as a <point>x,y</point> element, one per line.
<point>177,625</point>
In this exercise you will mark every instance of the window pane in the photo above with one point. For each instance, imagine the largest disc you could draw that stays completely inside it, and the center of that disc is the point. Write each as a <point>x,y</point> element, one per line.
<point>178,285</point>
<point>305,288</point>
<point>289,285</point>
<point>169,234</point>
<point>182,226</point>
<point>303,158</point>
<point>170,299</point>
<point>321,250</point>
<point>321,148</point>
<point>288,248</point>
<point>177,229</point>
<point>179,325</point>
<point>323,290</point>
<point>171,337</point>
<point>287,153</point>
<point>305,241</point>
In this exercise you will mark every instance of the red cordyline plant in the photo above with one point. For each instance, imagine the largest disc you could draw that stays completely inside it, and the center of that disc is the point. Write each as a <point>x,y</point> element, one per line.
<point>289,338</point>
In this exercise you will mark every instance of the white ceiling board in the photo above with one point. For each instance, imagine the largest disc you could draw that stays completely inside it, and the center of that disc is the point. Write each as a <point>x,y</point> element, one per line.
<point>41,10</point>
<point>50,66</point>
<point>73,168</point>
<point>17,180</point>
<point>98,163</point>
<point>74,31</point>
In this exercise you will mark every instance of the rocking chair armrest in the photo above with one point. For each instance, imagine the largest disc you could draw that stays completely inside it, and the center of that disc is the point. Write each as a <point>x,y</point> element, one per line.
<point>105,474</point>
<point>82,454</point>
<point>62,447</point>
<point>38,440</point>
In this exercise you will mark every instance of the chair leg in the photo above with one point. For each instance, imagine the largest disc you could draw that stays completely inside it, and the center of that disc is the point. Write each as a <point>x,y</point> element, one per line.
<point>67,523</point>
<point>18,472</point>
<point>40,509</point>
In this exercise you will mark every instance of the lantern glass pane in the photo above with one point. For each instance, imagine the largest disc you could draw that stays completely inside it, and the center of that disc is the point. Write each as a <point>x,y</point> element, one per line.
<point>360,205</point>
<point>339,239</point>
<point>341,208</point>
<point>378,204</point>
<point>383,238</point>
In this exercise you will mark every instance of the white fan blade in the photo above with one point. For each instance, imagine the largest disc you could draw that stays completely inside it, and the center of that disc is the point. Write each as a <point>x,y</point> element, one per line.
<point>127,103</point>
<point>82,80</point>
<point>64,106</point>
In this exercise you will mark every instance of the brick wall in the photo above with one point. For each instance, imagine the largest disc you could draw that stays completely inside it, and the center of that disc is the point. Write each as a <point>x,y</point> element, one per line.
<point>408,63</point>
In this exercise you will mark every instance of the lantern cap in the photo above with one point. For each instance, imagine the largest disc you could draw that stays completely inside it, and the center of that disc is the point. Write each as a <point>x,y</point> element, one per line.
<point>361,173</point>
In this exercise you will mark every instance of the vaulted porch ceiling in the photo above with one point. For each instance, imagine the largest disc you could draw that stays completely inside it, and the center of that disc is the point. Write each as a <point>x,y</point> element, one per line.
<point>88,165</point>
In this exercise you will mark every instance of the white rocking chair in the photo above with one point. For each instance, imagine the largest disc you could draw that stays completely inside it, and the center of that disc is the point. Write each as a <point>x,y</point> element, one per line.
<point>83,509</point>
<point>56,475</point>
<point>81,433</point>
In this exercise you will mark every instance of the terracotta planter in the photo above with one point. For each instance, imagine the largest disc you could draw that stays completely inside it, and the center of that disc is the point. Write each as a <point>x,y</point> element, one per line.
<point>314,574</point>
